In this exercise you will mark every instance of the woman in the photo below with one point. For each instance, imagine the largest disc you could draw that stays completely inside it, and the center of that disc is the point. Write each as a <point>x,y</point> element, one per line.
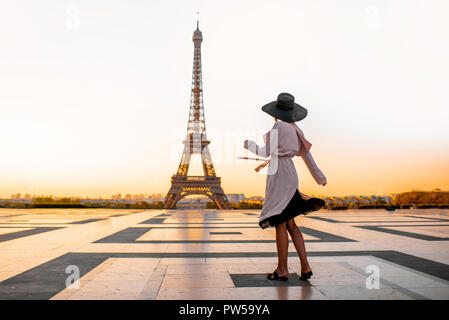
<point>283,201</point>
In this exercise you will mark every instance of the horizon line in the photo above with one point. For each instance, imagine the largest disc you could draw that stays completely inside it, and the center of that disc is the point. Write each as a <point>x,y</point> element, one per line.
<point>200,196</point>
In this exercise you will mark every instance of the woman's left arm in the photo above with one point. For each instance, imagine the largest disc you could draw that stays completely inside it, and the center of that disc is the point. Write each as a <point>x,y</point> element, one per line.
<point>317,174</point>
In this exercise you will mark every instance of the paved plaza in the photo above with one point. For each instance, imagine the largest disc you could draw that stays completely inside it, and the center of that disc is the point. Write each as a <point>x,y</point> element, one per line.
<point>212,254</point>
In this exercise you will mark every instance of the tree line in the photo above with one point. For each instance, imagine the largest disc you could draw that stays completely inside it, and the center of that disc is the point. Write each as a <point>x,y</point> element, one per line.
<point>417,199</point>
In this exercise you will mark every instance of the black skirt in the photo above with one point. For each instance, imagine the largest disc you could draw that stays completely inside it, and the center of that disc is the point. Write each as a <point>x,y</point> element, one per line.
<point>295,207</point>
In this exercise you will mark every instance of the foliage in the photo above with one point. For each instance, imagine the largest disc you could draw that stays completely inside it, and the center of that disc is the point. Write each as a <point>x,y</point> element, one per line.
<point>211,205</point>
<point>422,198</point>
<point>247,205</point>
<point>51,200</point>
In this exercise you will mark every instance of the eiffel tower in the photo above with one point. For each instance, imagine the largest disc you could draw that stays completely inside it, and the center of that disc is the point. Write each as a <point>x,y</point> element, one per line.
<point>196,142</point>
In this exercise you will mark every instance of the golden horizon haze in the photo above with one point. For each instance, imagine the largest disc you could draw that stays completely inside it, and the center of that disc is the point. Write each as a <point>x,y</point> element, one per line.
<point>386,173</point>
<point>98,107</point>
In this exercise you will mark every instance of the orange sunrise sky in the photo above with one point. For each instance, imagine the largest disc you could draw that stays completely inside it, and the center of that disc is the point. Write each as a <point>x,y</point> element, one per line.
<point>95,94</point>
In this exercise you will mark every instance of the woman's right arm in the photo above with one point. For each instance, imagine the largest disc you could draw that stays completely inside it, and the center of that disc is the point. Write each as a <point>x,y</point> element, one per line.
<point>265,150</point>
<point>317,174</point>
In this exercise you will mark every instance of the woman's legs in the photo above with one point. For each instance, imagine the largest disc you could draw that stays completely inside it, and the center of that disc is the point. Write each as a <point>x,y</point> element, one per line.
<point>298,241</point>
<point>282,247</point>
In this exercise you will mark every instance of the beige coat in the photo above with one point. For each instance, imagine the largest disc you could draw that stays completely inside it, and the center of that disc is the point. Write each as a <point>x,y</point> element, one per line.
<point>284,141</point>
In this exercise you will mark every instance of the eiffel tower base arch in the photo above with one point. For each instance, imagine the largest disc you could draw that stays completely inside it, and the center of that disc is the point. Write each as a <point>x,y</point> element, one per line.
<point>196,185</point>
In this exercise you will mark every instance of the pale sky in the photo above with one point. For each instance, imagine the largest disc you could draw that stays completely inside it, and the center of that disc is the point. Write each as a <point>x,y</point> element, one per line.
<point>94,95</point>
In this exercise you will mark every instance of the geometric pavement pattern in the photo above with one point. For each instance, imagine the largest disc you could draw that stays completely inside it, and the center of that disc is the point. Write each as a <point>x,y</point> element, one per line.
<point>220,254</point>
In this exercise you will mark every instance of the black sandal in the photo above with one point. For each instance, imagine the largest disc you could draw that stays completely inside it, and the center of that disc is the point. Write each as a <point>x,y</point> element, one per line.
<point>275,276</point>
<point>306,276</point>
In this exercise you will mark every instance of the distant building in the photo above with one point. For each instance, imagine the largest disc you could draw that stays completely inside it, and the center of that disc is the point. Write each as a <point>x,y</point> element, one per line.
<point>256,198</point>
<point>158,197</point>
<point>235,197</point>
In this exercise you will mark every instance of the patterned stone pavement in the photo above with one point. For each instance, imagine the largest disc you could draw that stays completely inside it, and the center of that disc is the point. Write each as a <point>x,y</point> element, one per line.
<point>211,254</point>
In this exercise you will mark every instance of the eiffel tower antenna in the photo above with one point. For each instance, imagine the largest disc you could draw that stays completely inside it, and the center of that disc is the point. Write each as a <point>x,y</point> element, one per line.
<point>198,20</point>
<point>196,142</point>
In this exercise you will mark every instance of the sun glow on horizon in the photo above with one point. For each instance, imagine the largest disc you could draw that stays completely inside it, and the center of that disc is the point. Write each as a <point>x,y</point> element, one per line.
<point>100,107</point>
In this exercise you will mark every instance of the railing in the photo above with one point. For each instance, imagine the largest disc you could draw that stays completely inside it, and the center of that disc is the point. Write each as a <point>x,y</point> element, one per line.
<point>195,178</point>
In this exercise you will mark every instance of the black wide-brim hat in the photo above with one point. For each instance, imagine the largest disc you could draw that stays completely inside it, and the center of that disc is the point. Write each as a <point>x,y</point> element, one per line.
<point>285,108</point>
